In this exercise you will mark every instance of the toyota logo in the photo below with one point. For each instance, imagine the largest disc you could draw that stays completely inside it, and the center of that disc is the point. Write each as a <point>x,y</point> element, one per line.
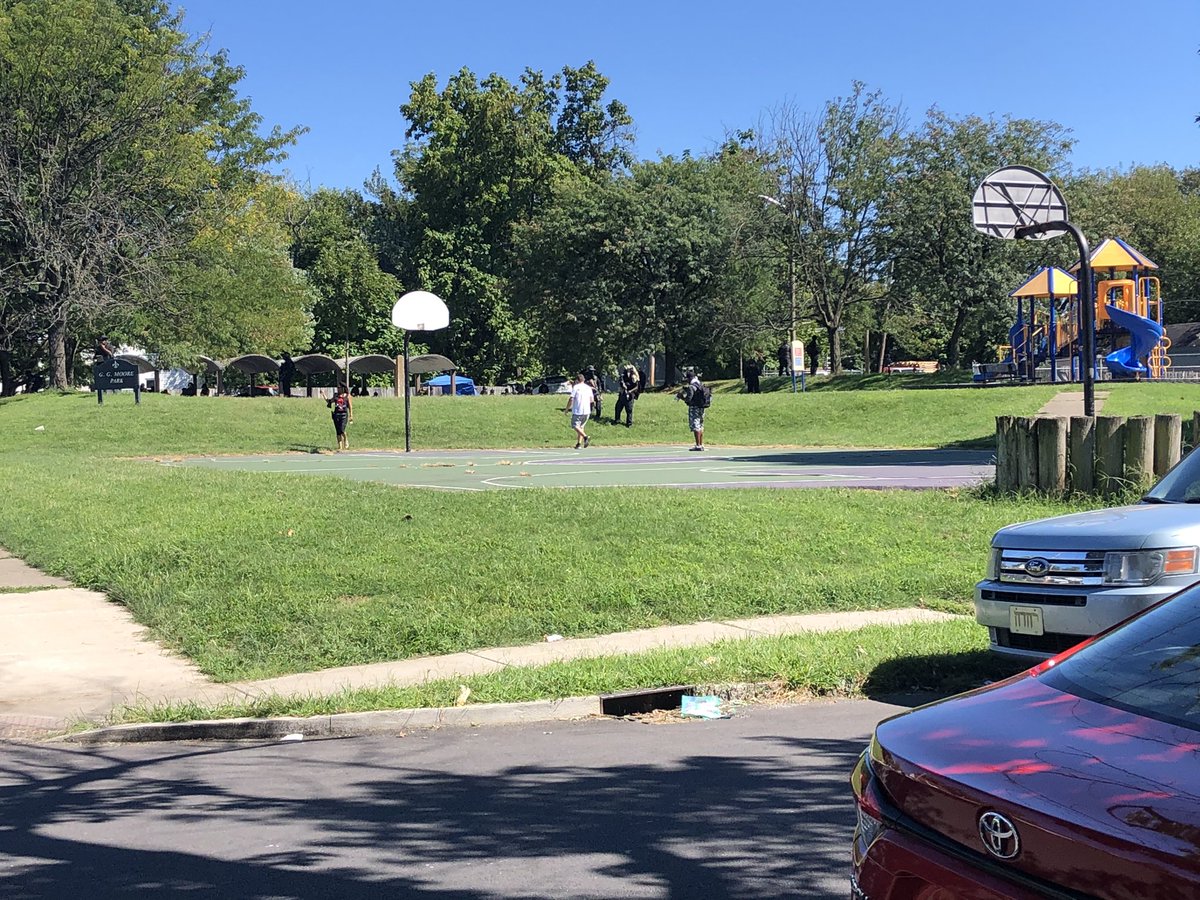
<point>1037,567</point>
<point>999,835</point>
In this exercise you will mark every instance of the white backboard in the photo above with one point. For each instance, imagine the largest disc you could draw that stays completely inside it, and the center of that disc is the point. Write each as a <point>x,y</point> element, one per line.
<point>420,311</point>
<point>1015,196</point>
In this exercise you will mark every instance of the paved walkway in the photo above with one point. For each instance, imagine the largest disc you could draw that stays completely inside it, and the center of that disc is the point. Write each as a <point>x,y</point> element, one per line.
<point>1070,403</point>
<point>68,654</point>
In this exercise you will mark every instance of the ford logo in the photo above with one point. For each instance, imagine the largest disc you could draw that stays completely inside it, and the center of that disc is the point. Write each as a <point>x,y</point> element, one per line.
<point>999,835</point>
<point>1037,567</point>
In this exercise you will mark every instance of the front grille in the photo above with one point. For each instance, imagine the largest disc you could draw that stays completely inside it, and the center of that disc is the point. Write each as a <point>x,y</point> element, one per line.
<point>1052,644</point>
<point>1035,599</point>
<point>1077,568</point>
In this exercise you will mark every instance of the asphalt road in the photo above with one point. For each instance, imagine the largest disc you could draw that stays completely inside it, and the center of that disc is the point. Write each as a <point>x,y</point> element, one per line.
<point>754,806</point>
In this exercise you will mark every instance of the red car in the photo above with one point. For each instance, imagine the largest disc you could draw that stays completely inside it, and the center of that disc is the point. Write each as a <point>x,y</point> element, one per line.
<point>1077,779</point>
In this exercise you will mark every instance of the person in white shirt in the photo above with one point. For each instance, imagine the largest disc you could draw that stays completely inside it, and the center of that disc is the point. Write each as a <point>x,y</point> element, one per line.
<point>580,408</point>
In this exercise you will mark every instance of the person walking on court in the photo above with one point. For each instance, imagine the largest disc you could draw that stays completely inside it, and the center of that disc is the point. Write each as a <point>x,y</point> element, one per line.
<point>580,407</point>
<point>343,413</point>
<point>698,396</point>
<point>628,388</point>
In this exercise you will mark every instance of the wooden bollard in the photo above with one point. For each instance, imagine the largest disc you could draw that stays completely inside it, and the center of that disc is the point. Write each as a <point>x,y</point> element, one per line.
<point>1168,438</point>
<point>1110,453</point>
<point>1196,429</point>
<point>1027,456</point>
<point>1139,450</point>
<point>1052,454</point>
<point>1006,455</point>
<point>1081,454</point>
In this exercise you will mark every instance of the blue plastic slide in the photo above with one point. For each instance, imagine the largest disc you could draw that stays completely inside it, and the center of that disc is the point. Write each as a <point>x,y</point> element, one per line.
<point>1144,334</point>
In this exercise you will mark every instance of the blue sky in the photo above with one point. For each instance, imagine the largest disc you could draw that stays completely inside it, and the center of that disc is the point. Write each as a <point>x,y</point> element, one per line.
<point>1125,77</point>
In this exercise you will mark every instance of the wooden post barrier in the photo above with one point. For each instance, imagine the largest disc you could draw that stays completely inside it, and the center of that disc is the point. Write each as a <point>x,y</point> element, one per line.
<point>1027,457</point>
<point>1006,455</point>
<point>1168,438</point>
<point>1110,454</point>
<point>1196,429</point>
<point>1081,454</point>
<point>1139,450</point>
<point>1051,454</point>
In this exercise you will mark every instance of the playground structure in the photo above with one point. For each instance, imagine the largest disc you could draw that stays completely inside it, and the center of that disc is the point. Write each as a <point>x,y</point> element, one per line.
<point>1128,320</point>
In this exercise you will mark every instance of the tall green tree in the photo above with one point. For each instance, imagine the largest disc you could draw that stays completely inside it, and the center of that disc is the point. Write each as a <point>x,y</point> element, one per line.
<point>352,313</point>
<point>481,158</point>
<point>646,261</point>
<point>115,128</point>
<point>831,174</point>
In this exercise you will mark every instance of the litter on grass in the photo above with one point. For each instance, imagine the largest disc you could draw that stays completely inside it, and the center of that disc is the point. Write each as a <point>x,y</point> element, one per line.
<point>706,706</point>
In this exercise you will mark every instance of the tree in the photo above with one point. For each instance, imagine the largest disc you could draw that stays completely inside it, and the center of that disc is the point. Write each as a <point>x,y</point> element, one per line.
<point>482,158</point>
<point>352,314</point>
<point>831,173</point>
<point>645,261</point>
<point>115,129</point>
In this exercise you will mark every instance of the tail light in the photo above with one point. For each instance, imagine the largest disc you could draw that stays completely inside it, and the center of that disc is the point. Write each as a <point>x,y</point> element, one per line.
<point>866,802</point>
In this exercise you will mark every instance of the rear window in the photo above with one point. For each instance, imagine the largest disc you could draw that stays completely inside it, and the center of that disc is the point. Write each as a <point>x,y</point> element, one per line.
<point>1150,666</point>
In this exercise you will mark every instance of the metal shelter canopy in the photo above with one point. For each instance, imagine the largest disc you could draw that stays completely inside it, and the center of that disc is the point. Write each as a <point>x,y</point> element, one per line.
<point>253,364</point>
<point>372,364</point>
<point>1114,253</point>
<point>210,366</point>
<point>315,363</point>
<point>144,366</point>
<point>430,362</point>
<point>1048,281</point>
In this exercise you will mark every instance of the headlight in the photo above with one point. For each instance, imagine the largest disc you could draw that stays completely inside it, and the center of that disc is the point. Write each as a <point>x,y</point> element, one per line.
<point>993,564</point>
<point>1144,566</point>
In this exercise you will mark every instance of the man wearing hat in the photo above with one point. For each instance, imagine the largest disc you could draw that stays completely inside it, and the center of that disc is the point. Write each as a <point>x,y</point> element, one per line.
<point>628,389</point>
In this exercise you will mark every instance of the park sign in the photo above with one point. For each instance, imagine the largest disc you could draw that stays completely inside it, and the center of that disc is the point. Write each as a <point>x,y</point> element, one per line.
<point>116,375</point>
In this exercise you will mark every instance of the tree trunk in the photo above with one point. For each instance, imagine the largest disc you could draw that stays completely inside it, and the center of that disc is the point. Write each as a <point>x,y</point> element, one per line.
<point>668,366</point>
<point>835,351</point>
<point>883,336</point>
<point>960,320</point>
<point>58,355</point>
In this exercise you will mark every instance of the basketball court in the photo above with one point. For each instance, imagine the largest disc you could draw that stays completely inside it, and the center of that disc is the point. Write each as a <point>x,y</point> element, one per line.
<point>741,467</point>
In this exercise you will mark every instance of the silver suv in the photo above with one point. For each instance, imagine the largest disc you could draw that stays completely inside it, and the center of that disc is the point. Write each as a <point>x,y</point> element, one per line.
<point>1052,583</point>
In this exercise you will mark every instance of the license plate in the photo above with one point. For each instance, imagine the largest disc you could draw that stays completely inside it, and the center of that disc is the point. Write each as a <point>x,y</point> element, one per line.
<point>1025,620</point>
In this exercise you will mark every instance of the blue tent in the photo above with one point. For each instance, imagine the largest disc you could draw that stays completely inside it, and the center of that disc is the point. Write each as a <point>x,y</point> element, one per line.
<point>463,385</point>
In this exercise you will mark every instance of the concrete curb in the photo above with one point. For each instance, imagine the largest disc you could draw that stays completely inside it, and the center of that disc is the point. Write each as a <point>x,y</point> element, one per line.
<point>344,724</point>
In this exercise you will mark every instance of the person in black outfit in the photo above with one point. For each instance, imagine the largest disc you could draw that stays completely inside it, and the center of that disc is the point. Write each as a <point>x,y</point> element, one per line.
<point>785,358</point>
<point>287,372</point>
<point>104,350</point>
<point>596,383</point>
<point>628,388</point>
<point>753,368</point>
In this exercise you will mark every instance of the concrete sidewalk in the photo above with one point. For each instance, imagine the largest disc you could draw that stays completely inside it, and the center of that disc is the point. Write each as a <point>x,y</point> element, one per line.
<point>1070,403</point>
<point>69,654</point>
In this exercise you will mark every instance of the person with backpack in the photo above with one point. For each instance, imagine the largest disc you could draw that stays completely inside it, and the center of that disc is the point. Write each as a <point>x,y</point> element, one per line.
<point>343,412</point>
<point>698,397</point>
<point>596,383</point>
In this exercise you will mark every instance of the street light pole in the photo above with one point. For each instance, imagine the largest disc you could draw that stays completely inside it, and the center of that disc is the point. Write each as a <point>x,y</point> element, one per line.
<point>791,246</point>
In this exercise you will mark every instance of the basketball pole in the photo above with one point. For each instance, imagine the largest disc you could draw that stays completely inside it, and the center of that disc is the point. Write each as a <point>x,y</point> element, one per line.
<point>407,381</point>
<point>1087,308</point>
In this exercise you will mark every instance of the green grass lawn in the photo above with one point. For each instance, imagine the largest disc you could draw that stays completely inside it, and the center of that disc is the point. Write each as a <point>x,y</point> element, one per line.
<point>259,575</point>
<point>181,425</point>
<point>946,657</point>
<point>1147,399</point>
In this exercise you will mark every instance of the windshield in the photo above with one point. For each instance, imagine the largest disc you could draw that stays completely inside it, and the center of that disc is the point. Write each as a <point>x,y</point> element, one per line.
<point>1150,666</point>
<point>1181,484</point>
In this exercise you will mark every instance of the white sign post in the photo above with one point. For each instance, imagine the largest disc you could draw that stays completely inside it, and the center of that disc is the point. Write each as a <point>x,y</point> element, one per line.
<point>417,311</point>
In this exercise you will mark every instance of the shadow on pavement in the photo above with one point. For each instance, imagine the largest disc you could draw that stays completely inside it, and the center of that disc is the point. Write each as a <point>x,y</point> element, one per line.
<point>207,824</point>
<point>858,458</point>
